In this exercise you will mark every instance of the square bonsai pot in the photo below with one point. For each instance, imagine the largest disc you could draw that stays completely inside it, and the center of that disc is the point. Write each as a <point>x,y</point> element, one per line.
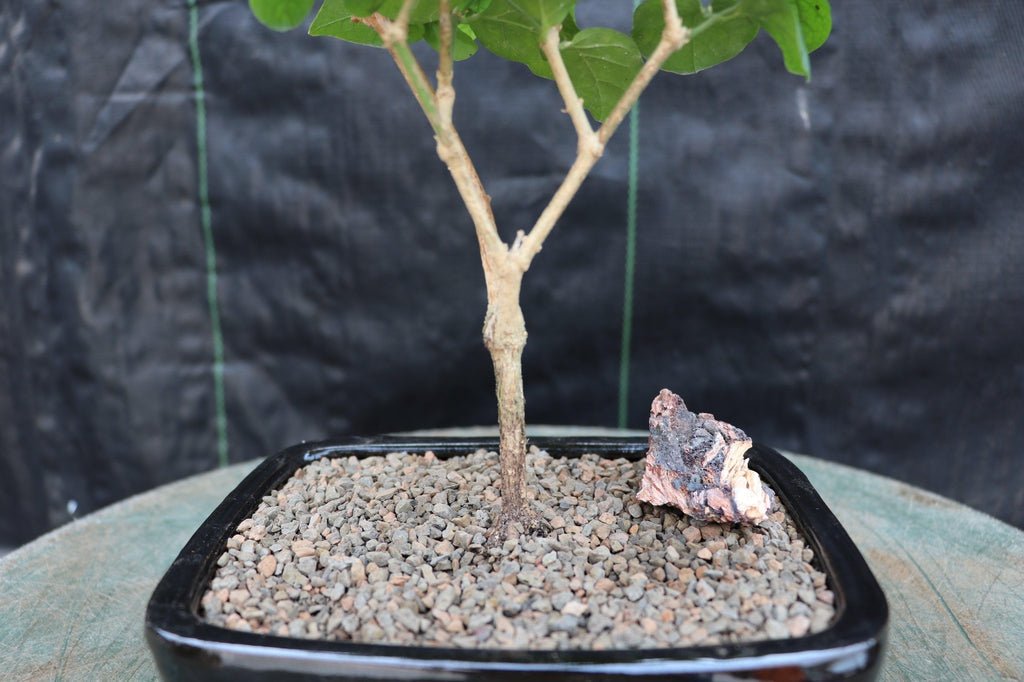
<point>186,647</point>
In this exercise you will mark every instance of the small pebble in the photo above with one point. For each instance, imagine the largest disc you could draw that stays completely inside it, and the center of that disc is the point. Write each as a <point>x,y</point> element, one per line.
<point>798,626</point>
<point>692,534</point>
<point>267,565</point>
<point>303,548</point>
<point>634,592</point>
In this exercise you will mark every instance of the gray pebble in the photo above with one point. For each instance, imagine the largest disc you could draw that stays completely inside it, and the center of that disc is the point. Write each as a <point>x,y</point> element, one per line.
<point>565,624</point>
<point>634,592</point>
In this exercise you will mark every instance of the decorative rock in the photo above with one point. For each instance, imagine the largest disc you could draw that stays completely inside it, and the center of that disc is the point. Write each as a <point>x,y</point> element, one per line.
<point>696,463</point>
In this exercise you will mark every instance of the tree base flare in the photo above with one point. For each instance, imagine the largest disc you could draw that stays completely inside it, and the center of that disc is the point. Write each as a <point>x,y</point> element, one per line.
<point>521,520</point>
<point>696,464</point>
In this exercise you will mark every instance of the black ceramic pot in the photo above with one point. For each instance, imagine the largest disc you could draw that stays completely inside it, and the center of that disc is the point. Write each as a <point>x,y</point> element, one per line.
<point>187,648</point>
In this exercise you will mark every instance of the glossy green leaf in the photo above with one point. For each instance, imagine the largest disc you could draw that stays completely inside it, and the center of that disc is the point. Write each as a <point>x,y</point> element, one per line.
<point>508,31</point>
<point>546,13</point>
<point>467,8</point>
<point>601,63</point>
<point>783,26</point>
<point>427,11</point>
<point>336,20</point>
<point>796,26</point>
<point>718,35</point>
<point>463,43</point>
<point>422,12</point>
<point>816,22</point>
<point>569,27</point>
<point>362,8</point>
<point>281,15</point>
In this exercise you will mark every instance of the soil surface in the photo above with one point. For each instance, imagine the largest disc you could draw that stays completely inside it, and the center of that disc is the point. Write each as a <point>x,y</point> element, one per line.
<point>393,550</point>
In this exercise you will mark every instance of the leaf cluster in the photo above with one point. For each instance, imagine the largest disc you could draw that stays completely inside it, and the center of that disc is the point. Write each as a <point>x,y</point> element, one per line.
<point>601,61</point>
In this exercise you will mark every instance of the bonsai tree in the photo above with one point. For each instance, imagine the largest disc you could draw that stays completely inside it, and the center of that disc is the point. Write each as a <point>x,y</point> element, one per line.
<point>597,70</point>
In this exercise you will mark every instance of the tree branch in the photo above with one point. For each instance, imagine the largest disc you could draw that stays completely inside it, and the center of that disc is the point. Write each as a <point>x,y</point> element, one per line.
<point>397,31</point>
<point>673,37</point>
<point>394,39</point>
<point>438,109</point>
<point>445,89</point>
<point>587,141</point>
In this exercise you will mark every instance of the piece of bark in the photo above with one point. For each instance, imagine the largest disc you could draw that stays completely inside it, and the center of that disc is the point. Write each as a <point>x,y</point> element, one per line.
<point>696,464</point>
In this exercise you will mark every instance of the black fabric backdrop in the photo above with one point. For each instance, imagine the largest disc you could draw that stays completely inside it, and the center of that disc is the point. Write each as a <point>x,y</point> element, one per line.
<point>836,267</point>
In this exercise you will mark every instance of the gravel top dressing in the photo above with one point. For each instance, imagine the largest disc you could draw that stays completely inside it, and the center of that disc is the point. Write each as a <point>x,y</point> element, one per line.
<point>392,550</point>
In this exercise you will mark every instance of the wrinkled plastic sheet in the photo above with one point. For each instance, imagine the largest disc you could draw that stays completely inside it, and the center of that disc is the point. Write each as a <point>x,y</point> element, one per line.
<point>836,267</point>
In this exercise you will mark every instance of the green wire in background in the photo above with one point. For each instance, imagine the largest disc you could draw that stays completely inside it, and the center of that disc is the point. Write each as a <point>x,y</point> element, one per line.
<point>627,298</point>
<point>208,244</point>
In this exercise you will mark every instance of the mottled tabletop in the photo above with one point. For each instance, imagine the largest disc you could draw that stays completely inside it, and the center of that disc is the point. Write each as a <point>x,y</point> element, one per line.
<point>73,601</point>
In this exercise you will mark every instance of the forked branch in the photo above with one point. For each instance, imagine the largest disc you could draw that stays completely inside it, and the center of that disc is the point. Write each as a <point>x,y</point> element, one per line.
<point>437,106</point>
<point>673,37</point>
<point>394,35</point>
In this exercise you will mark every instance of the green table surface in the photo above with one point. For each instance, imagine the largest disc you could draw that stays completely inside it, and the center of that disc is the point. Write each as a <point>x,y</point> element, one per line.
<point>73,601</point>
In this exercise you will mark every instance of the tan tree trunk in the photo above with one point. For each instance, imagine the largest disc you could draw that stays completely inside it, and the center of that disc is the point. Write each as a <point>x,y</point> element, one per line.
<point>505,338</point>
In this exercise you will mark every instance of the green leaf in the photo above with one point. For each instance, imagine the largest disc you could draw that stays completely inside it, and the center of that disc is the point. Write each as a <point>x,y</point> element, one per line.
<point>428,11</point>
<point>816,22</point>
<point>508,31</point>
<point>569,27</point>
<point>463,44</point>
<point>784,28</point>
<point>281,15</point>
<point>513,29</point>
<point>362,8</point>
<point>717,36</point>
<point>796,26</point>
<point>546,13</point>
<point>467,8</point>
<point>601,63</point>
<point>335,19</point>
<point>422,12</point>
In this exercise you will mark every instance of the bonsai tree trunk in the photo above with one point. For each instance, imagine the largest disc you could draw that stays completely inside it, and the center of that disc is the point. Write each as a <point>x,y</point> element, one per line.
<point>505,338</point>
<point>504,265</point>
